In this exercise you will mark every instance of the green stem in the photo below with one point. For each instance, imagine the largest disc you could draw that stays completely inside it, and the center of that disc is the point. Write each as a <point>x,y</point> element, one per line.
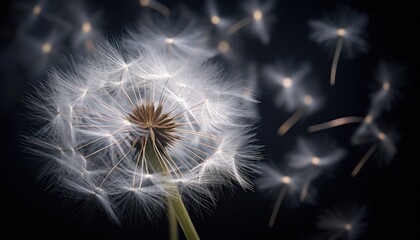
<point>174,198</point>
<point>173,224</point>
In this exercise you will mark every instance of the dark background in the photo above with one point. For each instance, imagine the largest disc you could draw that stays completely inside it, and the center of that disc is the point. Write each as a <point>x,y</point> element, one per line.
<point>389,192</point>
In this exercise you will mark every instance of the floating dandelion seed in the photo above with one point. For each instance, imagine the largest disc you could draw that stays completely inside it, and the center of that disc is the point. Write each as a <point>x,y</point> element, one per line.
<point>274,181</point>
<point>144,129</point>
<point>344,30</point>
<point>287,82</point>
<point>221,23</point>
<point>259,16</point>
<point>383,142</point>
<point>291,94</point>
<point>314,157</point>
<point>180,35</point>
<point>389,76</point>
<point>343,222</point>
<point>37,9</point>
<point>156,6</point>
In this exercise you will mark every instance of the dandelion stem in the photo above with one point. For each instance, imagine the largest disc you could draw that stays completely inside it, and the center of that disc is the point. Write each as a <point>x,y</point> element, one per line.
<point>335,123</point>
<point>364,160</point>
<point>304,191</point>
<point>173,223</point>
<point>335,60</point>
<point>277,205</point>
<point>291,121</point>
<point>174,198</point>
<point>238,25</point>
<point>160,8</point>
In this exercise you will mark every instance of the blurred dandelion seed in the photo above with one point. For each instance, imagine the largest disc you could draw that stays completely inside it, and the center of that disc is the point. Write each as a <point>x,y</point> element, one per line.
<point>344,31</point>
<point>343,222</point>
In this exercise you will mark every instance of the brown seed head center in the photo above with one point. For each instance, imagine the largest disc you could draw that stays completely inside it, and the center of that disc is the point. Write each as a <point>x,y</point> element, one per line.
<point>161,126</point>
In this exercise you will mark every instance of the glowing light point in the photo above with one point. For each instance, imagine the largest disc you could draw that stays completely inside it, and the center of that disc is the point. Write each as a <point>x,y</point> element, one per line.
<point>308,100</point>
<point>285,179</point>
<point>381,136</point>
<point>341,32</point>
<point>315,160</point>
<point>215,19</point>
<point>347,226</point>
<point>223,46</point>
<point>386,86</point>
<point>287,82</point>
<point>148,176</point>
<point>46,47</point>
<point>169,40</point>
<point>144,3</point>
<point>37,10</point>
<point>86,27</point>
<point>257,15</point>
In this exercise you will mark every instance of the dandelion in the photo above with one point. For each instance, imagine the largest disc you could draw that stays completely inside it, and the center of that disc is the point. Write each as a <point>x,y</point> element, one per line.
<point>389,76</point>
<point>382,141</point>
<point>343,222</point>
<point>344,30</point>
<point>314,157</point>
<point>277,181</point>
<point>135,127</point>
<point>259,16</point>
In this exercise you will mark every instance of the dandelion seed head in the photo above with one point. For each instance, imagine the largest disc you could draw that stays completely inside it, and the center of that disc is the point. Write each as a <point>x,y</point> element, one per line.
<point>287,82</point>
<point>36,9</point>
<point>381,136</point>
<point>386,86</point>
<point>46,47</point>
<point>257,15</point>
<point>223,46</point>
<point>315,160</point>
<point>347,226</point>
<point>341,32</point>
<point>308,99</point>
<point>86,27</point>
<point>215,19</point>
<point>169,40</point>
<point>285,179</point>
<point>144,125</point>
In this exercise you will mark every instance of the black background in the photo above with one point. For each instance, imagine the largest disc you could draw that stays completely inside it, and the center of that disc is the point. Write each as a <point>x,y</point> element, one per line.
<point>389,192</point>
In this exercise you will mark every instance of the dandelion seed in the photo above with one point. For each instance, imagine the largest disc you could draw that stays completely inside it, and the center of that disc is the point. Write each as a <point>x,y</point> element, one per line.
<point>347,221</point>
<point>389,77</point>
<point>345,30</point>
<point>313,157</point>
<point>258,16</point>
<point>274,181</point>
<point>384,142</point>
